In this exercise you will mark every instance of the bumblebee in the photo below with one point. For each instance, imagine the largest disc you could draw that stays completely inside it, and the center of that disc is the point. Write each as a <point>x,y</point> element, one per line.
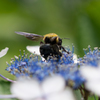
<point>51,46</point>
<point>50,38</point>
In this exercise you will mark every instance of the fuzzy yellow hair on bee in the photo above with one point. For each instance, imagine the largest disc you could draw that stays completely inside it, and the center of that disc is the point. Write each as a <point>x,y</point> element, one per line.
<point>51,36</point>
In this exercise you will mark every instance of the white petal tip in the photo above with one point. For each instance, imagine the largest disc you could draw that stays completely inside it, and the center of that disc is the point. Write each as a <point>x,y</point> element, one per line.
<point>3,52</point>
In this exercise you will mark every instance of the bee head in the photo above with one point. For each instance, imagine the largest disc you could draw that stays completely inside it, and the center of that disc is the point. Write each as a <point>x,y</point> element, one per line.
<point>53,40</point>
<point>59,41</point>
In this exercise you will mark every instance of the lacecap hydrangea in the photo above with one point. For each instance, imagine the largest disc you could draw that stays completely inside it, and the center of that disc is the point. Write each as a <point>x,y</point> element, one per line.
<point>31,65</point>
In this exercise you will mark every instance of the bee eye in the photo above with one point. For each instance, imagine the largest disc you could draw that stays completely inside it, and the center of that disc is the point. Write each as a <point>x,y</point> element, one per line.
<point>53,39</point>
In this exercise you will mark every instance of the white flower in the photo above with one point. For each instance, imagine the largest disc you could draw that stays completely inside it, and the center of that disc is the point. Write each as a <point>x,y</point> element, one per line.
<point>92,76</point>
<point>63,95</point>
<point>52,88</point>
<point>3,52</point>
<point>26,89</point>
<point>53,84</point>
<point>33,49</point>
<point>75,58</point>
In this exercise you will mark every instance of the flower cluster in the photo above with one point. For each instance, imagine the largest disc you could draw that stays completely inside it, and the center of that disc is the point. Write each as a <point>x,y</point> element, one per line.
<point>49,89</point>
<point>33,67</point>
<point>77,73</point>
<point>90,58</point>
<point>90,70</point>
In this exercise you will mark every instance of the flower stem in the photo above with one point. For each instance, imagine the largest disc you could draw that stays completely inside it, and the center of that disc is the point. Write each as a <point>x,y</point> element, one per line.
<point>85,93</point>
<point>7,96</point>
<point>6,78</point>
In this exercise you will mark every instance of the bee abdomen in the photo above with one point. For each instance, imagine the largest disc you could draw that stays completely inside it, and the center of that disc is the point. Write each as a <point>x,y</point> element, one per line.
<point>47,50</point>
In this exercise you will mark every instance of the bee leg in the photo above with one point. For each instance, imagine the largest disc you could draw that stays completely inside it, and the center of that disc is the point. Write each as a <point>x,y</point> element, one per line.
<point>41,43</point>
<point>56,50</point>
<point>64,49</point>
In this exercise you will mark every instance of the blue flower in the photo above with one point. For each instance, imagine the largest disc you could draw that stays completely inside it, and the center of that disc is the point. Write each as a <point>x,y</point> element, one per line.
<point>31,66</point>
<point>90,58</point>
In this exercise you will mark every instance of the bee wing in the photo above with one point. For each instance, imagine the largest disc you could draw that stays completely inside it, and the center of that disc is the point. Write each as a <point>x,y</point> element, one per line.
<point>33,37</point>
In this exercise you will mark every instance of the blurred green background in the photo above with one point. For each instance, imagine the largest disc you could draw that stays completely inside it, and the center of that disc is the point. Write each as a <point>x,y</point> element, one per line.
<point>78,20</point>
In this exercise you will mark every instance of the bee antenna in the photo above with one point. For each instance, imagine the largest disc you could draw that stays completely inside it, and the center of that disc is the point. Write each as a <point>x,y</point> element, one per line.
<point>66,38</point>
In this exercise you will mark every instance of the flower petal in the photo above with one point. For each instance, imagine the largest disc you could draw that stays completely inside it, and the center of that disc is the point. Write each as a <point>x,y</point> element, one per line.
<point>53,84</point>
<point>90,73</point>
<point>64,95</point>
<point>3,52</point>
<point>75,58</point>
<point>33,49</point>
<point>93,86</point>
<point>26,89</point>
